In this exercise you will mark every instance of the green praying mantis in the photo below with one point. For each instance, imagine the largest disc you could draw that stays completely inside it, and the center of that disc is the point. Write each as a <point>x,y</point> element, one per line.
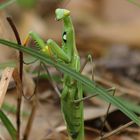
<point>72,90</point>
<point>72,93</point>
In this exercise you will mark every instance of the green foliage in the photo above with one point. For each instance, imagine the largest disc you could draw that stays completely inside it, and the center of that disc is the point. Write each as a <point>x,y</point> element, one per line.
<point>7,123</point>
<point>102,92</point>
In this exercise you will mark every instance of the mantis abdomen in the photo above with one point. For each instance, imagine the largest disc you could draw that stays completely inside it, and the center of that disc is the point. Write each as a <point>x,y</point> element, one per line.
<point>73,112</point>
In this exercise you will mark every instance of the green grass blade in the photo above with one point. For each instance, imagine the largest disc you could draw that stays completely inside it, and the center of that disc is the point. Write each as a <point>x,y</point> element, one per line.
<point>7,3</point>
<point>7,123</point>
<point>133,107</point>
<point>77,76</point>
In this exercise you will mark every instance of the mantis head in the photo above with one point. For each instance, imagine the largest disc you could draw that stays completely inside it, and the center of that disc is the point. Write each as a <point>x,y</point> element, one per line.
<point>61,13</point>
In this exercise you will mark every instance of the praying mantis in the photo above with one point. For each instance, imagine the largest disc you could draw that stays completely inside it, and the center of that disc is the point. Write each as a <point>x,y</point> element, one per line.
<point>72,93</point>
<point>72,90</point>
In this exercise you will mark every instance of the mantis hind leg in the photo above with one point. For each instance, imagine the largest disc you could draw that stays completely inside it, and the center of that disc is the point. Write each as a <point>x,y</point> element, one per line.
<point>42,45</point>
<point>105,123</point>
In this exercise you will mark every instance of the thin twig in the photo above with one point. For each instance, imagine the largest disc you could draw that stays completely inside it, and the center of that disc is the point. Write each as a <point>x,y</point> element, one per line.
<point>20,68</point>
<point>116,131</point>
<point>19,95</point>
<point>11,23</point>
<point>132,130</point>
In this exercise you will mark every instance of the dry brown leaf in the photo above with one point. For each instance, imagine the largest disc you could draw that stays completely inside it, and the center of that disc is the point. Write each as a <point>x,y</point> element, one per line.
<point>6,77</point>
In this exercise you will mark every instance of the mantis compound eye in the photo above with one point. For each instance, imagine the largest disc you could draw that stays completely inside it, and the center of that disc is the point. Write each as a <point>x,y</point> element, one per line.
<point>64,37</point>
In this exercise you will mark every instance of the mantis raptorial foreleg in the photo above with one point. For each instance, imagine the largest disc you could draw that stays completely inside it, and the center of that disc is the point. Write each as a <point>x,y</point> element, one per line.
<point>28,37</point>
